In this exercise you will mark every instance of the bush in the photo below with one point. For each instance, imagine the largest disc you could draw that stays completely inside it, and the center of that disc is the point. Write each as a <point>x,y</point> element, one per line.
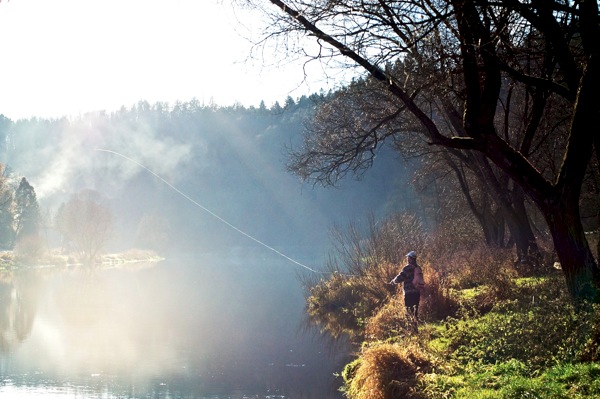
<point>450,241</point>
<point>362,265</point>
<point>340,305</point>
<point>437,299</point>
<point>29,248</point>
<point>437,303</point>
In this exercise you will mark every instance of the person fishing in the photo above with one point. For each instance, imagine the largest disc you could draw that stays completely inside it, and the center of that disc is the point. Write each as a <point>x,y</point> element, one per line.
<point>412,281</point>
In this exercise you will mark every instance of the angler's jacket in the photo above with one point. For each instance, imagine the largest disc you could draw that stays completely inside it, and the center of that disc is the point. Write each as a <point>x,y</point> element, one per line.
<point>406,277</point>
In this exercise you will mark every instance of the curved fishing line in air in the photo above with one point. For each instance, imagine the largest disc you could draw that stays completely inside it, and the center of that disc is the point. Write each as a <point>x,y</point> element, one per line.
<point>211,212</point>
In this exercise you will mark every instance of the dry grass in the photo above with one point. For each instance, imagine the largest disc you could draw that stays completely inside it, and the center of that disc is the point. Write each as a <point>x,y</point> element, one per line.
<point>437,299</point>
<point>390,321</point>
<point>387,371</point>
<point>437,303</point>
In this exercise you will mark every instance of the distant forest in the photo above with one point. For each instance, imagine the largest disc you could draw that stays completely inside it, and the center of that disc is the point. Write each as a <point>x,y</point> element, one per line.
<point>229,161</point>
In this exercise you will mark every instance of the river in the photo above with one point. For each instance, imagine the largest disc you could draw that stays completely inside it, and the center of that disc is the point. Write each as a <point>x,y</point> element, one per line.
<point>204,326</point>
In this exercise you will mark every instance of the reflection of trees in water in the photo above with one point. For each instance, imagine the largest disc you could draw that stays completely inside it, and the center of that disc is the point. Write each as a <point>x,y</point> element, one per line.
<point>160,331</point>
<point>18,303</point>
<point>329,332</point>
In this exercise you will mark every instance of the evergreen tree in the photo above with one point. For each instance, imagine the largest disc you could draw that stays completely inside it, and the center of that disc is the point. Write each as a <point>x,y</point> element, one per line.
<point>7,213</point>
<point>27,211</point>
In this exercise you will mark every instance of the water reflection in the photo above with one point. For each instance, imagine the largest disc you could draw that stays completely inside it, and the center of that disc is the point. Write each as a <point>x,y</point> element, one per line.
<point>18,301</point>
<point>188,329</point>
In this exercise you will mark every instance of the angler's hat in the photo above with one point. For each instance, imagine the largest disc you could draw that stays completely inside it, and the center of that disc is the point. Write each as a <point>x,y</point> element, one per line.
<point>412,254</point>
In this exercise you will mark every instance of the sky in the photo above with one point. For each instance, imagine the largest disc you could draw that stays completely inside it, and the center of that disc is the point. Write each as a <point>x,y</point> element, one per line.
<point>69,57</point>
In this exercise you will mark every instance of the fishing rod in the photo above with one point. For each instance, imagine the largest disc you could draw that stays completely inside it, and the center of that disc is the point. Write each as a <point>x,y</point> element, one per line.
<point>256,240</point>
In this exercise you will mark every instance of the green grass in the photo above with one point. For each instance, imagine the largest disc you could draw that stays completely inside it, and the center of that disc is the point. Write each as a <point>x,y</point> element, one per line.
<point>513,380</point>
<point>470,293</point>
<point>522,349</point>
<point>530,281</point>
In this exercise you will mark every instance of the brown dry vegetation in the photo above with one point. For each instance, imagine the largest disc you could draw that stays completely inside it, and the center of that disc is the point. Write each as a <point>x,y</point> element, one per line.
<point>387,371</point>
<point>359,296</point>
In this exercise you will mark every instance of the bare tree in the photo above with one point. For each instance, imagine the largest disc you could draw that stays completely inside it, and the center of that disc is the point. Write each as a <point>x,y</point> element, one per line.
<point>549,49</point>
<point>85,223</point>
<point>347,130</point>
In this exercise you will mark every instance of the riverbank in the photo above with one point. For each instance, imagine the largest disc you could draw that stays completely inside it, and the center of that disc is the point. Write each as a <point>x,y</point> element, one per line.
<point>529,344</point>
<point>10,261</point>
<point>486,332</point>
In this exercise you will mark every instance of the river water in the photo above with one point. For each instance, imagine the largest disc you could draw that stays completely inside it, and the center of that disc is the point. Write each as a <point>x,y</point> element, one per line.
<point>192,327</point>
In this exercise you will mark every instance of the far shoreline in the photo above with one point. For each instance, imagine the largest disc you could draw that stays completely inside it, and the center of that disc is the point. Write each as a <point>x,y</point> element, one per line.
<point>133,258</point>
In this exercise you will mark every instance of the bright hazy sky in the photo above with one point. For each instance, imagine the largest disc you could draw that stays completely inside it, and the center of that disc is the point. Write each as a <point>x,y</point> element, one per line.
<point>66,57</point>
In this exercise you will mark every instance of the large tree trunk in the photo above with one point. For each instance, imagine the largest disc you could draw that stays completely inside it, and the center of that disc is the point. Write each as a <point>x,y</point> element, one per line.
<point>597,149</point>
<point>581,272</point>
<point>525,240</point>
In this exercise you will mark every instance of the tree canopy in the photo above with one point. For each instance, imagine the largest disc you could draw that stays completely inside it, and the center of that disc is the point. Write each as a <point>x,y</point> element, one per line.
<point>506,80</point>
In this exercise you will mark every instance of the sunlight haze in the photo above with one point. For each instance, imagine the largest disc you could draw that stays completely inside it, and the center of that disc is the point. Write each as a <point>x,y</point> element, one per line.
<point>68,57</point>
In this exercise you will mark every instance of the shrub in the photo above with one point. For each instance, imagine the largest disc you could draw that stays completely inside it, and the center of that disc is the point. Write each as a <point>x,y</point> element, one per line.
<point>340,305</point>
<point>437,299</point>
<point>490,271</point>
<point>450,241</point>
<point>29,248</point>
<point>359,249</point>
<point>362,265</point>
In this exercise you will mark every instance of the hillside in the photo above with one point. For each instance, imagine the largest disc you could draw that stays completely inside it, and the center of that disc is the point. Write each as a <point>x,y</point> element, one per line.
<point>199,170</point>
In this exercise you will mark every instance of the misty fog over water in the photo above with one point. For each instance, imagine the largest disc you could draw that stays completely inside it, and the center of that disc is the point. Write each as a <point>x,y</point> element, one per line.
<point>187,328</point>
<point>207,189</point>
<point>230,160</point>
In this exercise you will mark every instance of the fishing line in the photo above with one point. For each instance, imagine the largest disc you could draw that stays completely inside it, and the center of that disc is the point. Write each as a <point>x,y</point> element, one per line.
<point>212,213</point>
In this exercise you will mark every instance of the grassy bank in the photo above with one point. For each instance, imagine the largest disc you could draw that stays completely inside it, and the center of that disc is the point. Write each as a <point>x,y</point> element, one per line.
<point>529,344</point>
<point>490,328</point>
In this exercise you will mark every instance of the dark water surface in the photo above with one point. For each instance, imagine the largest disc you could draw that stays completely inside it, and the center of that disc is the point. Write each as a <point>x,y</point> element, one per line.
<point>195,327</point>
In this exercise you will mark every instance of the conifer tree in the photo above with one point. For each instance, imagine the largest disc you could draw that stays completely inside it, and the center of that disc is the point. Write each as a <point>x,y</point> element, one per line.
<point>27,211</point>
